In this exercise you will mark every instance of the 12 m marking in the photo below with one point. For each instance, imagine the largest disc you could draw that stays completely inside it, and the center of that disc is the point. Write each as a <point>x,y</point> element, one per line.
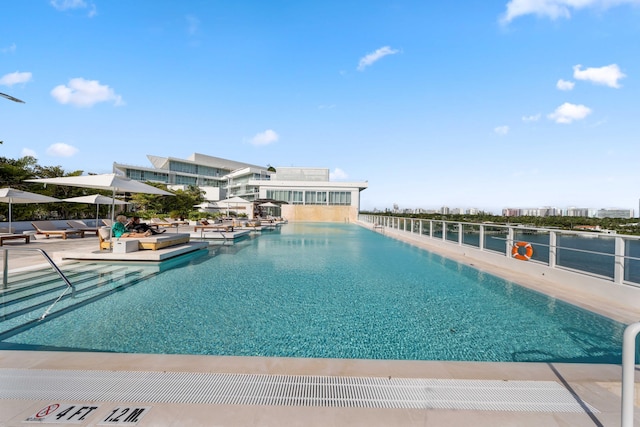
<point>125,416</point>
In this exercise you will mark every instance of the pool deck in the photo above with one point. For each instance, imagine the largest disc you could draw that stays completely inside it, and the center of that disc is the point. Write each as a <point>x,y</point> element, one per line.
<point>597,385</point>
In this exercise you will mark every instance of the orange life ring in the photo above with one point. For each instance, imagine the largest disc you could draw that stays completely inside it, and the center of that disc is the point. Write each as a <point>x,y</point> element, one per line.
<point>528,251</point>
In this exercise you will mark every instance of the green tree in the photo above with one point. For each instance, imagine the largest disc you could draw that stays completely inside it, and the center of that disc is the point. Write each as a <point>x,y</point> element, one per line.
<point>14,172</point>
<point>182,204</point>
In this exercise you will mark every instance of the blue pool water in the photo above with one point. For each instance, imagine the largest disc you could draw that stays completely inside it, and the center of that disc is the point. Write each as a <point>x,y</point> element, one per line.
<point>333,291</point>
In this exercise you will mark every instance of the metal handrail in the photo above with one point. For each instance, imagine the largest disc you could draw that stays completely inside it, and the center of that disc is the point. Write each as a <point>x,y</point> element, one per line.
<point>5,270</point>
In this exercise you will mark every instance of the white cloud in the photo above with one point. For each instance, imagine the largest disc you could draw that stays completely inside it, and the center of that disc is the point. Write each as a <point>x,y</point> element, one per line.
<point>60,149</point>
<point>607,75</point>
<point>9,49</point>
<point>15,78</point>
<point>555,9</point>
<point>93,11</point>
<point>338,174</point>
<point>565,85</point>
<point>63,5</point>
<point>375,56</point>
<point>533,118</point>
<point>567,113</point>
<point>265,138</point>
<point>501,130</point>
<point>28,152</point>
<point>85,93</point>
<point>193,25</point>
<point>68,4</point>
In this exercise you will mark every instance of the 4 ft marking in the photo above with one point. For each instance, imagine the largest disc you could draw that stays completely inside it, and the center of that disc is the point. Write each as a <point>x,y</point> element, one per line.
<point>58,413</point>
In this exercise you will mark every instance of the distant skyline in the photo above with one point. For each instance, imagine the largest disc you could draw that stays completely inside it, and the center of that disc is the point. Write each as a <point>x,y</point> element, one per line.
<point>478,104</point>
<point>464,209</point>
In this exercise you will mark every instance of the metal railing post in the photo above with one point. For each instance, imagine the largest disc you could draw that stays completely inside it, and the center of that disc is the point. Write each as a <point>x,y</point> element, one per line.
<point>553,241</point>
<point>628,373</point>
<point>618,269</point>
<point>5,268</point>
<point>509,242</point>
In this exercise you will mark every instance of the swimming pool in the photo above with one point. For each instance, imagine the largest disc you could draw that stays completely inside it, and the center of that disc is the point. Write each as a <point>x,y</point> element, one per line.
<point>333,291</point>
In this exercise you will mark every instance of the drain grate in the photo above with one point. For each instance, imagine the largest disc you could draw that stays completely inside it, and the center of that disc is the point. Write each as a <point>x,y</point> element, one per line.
<point>287,390</point>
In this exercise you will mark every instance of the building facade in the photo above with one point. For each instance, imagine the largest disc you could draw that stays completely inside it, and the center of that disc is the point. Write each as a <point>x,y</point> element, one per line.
<point>304,194</point>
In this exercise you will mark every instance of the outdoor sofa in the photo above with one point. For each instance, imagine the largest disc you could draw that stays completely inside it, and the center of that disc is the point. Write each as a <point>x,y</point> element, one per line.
<point>155,242</point>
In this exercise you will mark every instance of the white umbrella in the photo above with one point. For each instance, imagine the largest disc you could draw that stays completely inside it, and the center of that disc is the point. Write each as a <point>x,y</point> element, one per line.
<point>206,205</point>
<point>109,181</point>
<point>268,205</point>
<point>11,195</point>
<point>96,199</point>
<point>235,201</point>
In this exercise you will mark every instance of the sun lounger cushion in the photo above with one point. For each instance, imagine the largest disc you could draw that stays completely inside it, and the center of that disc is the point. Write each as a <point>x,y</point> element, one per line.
<point>104,237</point>
<point>162,241</point>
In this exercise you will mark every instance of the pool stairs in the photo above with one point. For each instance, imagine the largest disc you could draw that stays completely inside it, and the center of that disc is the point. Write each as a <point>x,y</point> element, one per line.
<point>40,295</point>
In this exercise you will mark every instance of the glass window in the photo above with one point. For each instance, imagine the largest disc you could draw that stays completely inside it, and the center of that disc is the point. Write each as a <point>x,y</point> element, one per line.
<point>340,198</point>
<point>310,198</point>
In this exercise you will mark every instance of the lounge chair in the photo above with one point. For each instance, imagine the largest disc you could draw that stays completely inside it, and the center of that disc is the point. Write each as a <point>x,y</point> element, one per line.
<point>176,221</point>
<point>79,225</point>
<point>49,229</point>
<point>107,222</point>
<point>206,225</point>
<point>162,223</point>
<point>7,233</point>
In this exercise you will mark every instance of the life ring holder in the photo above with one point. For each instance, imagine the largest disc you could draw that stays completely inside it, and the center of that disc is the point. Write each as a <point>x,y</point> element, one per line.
<point>528,251</point>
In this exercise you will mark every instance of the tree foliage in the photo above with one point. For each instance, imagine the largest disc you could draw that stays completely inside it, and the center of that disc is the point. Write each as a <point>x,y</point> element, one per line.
<point>13,173</point>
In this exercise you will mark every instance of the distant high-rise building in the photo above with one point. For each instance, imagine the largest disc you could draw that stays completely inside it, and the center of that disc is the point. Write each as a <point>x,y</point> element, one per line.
<point>615,213</point>
<point>573,211</point>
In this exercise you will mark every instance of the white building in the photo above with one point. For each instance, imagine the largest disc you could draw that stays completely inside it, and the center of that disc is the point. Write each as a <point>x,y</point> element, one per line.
<point>304,194</point>
<point>615,213</point>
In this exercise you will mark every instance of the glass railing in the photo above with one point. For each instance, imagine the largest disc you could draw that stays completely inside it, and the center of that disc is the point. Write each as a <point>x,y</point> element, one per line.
<point>610,256</point>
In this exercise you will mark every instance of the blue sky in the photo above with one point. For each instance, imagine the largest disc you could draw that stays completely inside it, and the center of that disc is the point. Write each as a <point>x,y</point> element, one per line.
<point>486,104</point>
